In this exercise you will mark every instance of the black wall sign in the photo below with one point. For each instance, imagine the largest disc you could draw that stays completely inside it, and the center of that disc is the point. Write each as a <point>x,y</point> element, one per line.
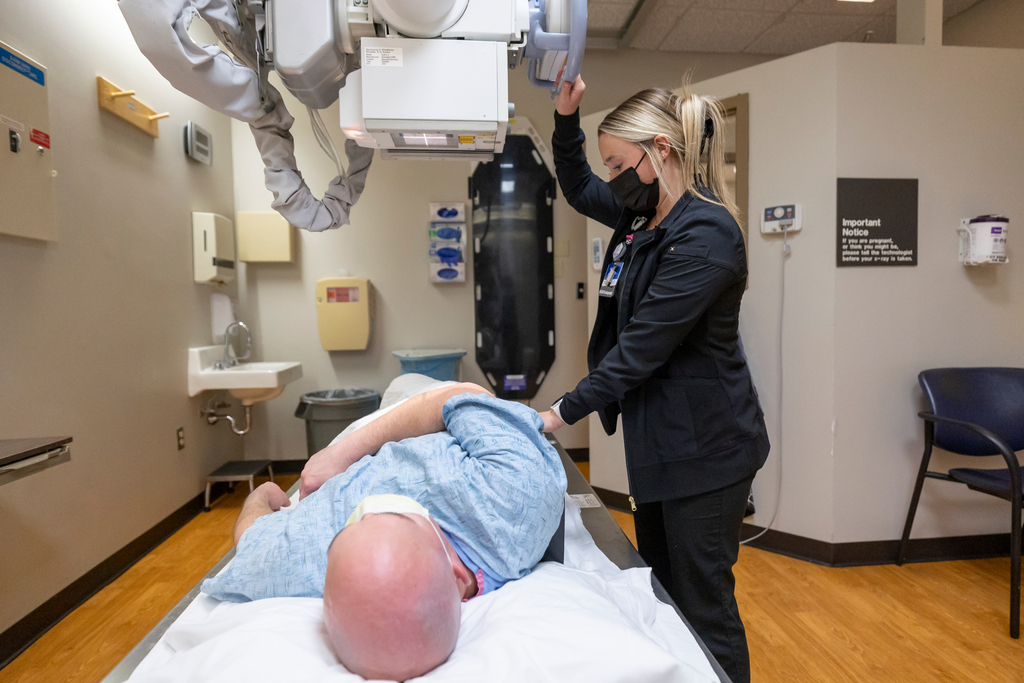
<point>876,222</point>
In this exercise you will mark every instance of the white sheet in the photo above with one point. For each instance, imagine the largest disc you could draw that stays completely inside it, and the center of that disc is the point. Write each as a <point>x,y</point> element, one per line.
<point>583,621</point>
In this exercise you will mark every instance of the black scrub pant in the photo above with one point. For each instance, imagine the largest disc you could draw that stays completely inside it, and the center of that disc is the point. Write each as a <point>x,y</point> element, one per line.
<point>692,544</point>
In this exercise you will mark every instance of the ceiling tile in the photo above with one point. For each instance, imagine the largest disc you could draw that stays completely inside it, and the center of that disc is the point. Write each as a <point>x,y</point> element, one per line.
<point>884,28</point>
<point>605,15</point>
<point>799,32</point>
<point>747,5</point>
<point>951,8</point>
<point>657,25</point>
<point>837,7</point>
<point>702,30</point>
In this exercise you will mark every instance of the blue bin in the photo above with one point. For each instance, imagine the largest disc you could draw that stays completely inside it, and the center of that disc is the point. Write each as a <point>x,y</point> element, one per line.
<point>439,364</point>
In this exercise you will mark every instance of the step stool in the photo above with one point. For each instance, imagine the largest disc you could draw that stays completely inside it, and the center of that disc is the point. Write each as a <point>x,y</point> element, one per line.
<point>237,470</point>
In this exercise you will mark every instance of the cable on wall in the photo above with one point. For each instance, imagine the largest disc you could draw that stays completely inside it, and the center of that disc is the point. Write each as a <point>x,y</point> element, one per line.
<point>782,316</point>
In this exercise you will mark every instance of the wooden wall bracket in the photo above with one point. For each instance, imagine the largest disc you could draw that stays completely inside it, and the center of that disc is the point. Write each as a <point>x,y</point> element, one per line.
<point>122,103</point>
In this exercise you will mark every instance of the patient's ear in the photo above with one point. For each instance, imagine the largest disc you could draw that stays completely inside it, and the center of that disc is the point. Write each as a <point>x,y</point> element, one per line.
<point>462,573</point>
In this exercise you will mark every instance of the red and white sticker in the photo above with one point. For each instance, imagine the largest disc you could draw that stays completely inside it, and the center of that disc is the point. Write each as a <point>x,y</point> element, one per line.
<point>342,295</point>
<point>40,138</point>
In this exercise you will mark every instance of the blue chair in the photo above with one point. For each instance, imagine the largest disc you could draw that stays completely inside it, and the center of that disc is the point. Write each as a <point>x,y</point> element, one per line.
<point>977,411</point>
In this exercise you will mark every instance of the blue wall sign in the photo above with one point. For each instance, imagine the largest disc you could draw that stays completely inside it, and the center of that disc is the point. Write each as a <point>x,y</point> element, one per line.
<point>18,64</point>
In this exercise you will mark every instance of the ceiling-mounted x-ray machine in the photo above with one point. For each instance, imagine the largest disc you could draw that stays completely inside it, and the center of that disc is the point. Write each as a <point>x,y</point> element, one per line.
<point>417,79</point>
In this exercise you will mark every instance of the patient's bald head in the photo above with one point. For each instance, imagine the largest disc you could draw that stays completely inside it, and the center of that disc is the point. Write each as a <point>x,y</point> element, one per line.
<point>391,599</point>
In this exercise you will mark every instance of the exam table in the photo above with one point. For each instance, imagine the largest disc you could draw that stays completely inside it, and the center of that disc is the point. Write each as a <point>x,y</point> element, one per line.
<point>606,533</point>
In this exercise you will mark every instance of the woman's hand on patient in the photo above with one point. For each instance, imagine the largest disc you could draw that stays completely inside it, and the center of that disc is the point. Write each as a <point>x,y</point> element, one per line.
<point>551,421</point>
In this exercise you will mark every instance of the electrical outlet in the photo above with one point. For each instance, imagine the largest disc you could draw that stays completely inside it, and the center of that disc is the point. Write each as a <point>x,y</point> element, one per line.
<point>181,438</point>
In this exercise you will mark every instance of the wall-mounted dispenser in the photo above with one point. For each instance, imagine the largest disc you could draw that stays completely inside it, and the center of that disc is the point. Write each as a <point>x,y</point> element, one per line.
<point>983,240</point>
<point>264,237</point>
<point>213,248</point>
<point>343,313</point>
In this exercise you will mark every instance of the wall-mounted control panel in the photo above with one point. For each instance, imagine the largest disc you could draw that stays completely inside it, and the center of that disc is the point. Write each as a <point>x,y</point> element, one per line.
<point>26,165</point>
<point>198,143</point>
<point>783,218</point>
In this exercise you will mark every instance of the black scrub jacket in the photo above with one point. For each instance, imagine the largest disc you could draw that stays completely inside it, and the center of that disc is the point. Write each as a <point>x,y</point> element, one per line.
<point>665,349</point>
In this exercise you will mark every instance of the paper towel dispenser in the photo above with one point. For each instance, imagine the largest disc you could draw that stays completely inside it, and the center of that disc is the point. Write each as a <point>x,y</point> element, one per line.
<point>213,248</point>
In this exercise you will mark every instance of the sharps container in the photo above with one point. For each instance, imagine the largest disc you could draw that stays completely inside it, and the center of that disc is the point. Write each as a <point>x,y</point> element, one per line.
<point>327,413</point>
<point>440,364</point>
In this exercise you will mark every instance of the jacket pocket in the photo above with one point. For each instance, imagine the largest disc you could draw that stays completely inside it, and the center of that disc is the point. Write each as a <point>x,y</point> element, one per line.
<point>681,419</point>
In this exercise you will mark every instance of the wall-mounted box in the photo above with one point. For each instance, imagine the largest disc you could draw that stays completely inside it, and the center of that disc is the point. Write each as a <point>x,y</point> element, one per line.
<point>26,163</point>
<point>265,236</point>
<point>343,313</point>
<point>213,248</point>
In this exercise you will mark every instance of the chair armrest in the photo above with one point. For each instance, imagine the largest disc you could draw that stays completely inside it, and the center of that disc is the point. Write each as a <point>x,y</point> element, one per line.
<point>1004,449</point>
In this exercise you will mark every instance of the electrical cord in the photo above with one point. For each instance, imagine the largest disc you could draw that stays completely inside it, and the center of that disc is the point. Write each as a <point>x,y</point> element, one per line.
<point>782,317</point>
<point>323,139</point>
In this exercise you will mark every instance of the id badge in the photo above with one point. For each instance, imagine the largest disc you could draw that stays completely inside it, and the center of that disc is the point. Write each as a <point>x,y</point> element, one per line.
<point>610,280</point>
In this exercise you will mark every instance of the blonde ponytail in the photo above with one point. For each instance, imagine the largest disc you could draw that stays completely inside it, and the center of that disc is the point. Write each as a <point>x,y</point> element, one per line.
<point>680,118</point>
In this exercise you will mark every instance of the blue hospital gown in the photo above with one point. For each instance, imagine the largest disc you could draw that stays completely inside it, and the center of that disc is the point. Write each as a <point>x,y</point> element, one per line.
<point>492,481</point>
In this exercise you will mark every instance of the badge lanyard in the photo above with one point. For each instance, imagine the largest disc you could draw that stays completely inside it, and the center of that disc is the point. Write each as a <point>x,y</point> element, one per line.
<point>611,276</point>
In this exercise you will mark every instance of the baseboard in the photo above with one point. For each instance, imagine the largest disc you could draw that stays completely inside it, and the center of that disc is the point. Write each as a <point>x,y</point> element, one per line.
<point>878,552</point>
<point>578,454</point>
<point>17,638</point>
<point>613,499</point>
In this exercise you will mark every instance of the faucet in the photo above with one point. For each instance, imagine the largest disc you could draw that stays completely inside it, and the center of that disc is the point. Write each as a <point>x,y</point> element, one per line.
<point>230,360</point>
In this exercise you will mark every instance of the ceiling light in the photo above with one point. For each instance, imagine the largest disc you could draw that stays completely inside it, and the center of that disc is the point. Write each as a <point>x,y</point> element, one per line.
<point>856,0</point>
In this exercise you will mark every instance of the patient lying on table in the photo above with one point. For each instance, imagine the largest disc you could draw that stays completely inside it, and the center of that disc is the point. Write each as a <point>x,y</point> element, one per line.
<point>464,494</point>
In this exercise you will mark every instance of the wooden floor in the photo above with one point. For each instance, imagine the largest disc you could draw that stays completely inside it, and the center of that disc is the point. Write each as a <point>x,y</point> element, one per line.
<point>918,623</point>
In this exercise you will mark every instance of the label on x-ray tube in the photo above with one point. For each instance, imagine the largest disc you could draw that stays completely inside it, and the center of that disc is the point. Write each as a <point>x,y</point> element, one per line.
<point>382,56</point>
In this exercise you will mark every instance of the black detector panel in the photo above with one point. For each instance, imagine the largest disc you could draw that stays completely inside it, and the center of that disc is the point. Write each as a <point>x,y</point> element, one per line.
<point>514,269</point>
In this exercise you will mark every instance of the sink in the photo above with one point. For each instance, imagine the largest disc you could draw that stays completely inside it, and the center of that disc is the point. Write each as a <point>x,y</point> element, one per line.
<point>249,382</point>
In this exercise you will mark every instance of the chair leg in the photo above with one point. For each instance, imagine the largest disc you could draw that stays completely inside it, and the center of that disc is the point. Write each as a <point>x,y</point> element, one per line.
<point>270,468</point>
<point>206,507</point>
<point>1015,534</point>
<point>916,498</point>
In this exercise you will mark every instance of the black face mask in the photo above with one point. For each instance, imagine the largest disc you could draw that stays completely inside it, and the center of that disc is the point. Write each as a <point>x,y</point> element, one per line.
<point>634,193</point>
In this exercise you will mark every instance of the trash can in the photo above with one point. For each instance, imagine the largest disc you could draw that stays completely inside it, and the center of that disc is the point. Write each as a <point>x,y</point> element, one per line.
<point>327,413</point>
<point>440,364</point>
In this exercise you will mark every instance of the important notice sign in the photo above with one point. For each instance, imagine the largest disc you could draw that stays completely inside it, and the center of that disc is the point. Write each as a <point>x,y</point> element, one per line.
<point>876,222</point>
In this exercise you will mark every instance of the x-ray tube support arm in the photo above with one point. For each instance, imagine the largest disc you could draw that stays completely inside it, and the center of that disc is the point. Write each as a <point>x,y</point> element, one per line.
<point>240,90</point>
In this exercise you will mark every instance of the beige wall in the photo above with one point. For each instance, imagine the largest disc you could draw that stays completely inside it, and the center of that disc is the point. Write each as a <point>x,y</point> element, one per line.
<point>386,242</point>
<point>891,323</point>
<point>990,23</point>
<point>94,328</point>
<point>857,337</point>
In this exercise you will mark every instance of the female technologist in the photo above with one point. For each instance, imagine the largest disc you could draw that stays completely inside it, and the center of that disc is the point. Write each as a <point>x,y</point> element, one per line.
<point>665,350</point>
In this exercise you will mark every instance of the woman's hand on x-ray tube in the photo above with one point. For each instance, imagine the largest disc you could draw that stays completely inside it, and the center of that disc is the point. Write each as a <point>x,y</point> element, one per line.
<point>569,95</point>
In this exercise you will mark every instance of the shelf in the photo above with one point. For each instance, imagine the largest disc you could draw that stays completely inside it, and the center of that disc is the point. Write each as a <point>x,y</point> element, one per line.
<point>24,457</point>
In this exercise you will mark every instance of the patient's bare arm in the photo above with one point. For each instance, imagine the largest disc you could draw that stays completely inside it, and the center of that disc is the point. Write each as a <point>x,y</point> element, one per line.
<point>418,416</point>
<point>265,499</point>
